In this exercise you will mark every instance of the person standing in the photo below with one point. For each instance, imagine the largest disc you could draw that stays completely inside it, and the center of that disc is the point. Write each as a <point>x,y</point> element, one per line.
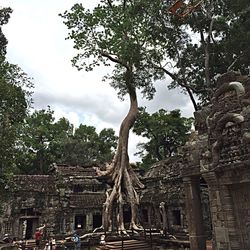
<point>38,236</point>
<point>76,239</point>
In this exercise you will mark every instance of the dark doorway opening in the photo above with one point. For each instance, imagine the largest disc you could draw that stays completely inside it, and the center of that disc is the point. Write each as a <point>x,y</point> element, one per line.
<point>29,229</point>
<point>97,220</point>
<point>145,215</point>
<point>77,189</point>
<point>176,217</point>
<point>80,221</point>
<point>127,216</point>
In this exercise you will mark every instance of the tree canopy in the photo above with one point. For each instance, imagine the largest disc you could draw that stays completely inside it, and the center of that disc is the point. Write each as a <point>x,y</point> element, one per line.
<point>165,132</point>
<point>43,141</point>
<point>115,32</point>
<point>15,100</point>
<point>192,51</point>
<point>211,40</point>
<point>87,147</point>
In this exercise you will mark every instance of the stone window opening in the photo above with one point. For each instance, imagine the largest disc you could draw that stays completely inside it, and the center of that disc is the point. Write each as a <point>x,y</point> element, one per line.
<point>7,228</point>
<point>176,217</point>
<point>80,221</point>
<point>97,220</point>
<point>77,188</point>
<point>127,216</point>
<point>145,215</point>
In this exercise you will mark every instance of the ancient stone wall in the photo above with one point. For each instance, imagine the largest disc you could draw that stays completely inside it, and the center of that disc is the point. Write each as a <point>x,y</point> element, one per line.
<point>163,199</point>
<point>69,199</point>
<point>219,152</point>
<point>228,176</point>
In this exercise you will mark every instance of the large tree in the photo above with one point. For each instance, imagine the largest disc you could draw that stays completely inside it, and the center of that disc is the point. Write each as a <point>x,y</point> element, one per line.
<point>210,40</point>
<point>86,146</point>
<point>4,18</point>
<point>15,100</point>
<point>165,132</point>
<point>43,141</point>
<point>36,135</point>
<point>114,33</point>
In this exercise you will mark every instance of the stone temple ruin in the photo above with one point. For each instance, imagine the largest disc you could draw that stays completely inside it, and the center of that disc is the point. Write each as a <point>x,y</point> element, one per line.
<point>219,153</point>
<point>71,198</point>
<point>67,200</point>
<point>203,192</point>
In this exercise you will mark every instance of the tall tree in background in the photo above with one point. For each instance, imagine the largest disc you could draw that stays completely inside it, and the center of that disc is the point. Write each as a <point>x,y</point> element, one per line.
<point>36,135</point>
<point>4,18</point>
<point>87,147</point>
<point>165,132</point>
<point>115,32</point>
<point>210,40</point>
<point>42,141</point>
<point>15,100</point>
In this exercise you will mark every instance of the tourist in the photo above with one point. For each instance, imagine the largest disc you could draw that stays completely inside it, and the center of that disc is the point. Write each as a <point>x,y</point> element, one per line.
<point>52,244</point>
<point>47,246</point>
<point>102,240</point>
<point>38,236</point>
<point>76,239</point>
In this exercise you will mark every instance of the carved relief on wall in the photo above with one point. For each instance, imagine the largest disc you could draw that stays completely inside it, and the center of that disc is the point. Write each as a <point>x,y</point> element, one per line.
<point>228,123</point>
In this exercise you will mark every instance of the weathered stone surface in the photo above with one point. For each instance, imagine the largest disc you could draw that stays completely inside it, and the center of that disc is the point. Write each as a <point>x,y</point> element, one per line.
<point>69,199</point>
<point>222,150</point>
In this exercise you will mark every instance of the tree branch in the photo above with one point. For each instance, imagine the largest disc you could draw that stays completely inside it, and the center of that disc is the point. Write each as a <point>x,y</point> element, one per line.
<point>110,3</point>
<point>115,60</point>
<point>236,60</point>
<point>207,43</point>
<point>184,85</point>
<point>179,81</point>
<point>124,4</point>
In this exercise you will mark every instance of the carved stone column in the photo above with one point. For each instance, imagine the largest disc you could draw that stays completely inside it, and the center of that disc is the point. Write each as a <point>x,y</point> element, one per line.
<point>194,213</point>
<point>89,221</point>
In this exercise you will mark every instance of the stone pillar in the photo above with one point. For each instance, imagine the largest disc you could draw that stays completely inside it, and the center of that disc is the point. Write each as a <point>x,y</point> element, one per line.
<point>194,213</point>
<point>89,221</point>
<point>149,216</point>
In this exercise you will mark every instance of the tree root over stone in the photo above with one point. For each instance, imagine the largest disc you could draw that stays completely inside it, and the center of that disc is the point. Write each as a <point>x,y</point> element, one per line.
<point>122,175</point>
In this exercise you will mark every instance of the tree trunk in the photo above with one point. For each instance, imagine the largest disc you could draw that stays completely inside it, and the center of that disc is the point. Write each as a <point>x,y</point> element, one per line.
<point>123,177</point>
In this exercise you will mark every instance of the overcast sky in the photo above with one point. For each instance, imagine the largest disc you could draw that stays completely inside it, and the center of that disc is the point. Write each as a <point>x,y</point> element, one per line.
<point>36,36</point>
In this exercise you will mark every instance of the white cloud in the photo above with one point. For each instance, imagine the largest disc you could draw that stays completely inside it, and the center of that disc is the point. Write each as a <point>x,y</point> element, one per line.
<point>37,44</point>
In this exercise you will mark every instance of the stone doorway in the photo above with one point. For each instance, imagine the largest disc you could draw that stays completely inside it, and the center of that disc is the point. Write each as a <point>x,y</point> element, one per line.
<point>127,217</point>
<point>27,227</point>
<point>241,203</point>
<point>80,221</point>
<point>97,220</point>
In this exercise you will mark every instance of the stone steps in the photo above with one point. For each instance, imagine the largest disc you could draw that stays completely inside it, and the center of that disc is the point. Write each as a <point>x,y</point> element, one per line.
<point>127,245</point>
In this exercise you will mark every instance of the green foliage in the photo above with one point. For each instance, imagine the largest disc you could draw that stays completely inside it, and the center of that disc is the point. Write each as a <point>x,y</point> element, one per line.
<point>86,146</point>
<point>115,31</point>
<point>211,40</point>
<point>15,100</point>
<point>165,132</point>
<point>43,141</point>
<point>4,18</point>
<point>36,134</point>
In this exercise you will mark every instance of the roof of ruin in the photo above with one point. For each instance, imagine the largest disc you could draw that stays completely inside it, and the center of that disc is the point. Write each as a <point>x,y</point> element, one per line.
<point>87,200</point>
<point>35,183</point>
<point>67,170</point>
<point>167,169</point>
